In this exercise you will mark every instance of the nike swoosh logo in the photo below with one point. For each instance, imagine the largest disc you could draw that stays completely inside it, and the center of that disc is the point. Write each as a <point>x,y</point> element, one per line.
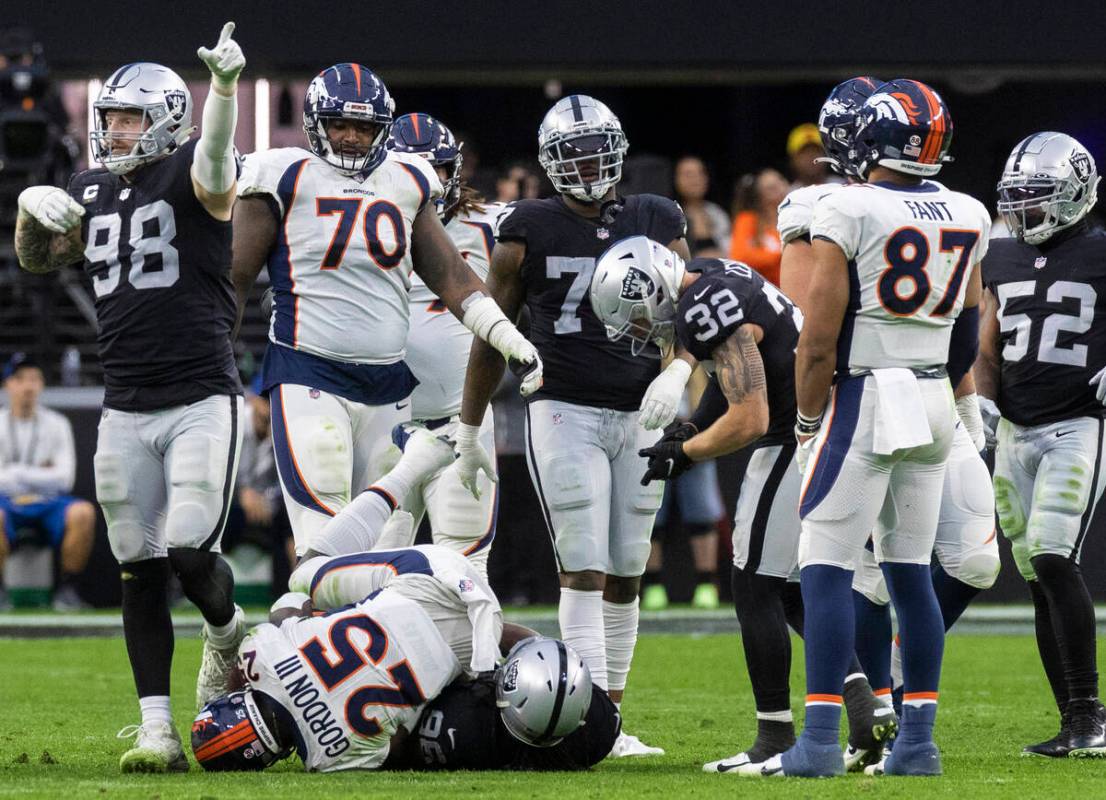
<point>766,770</point>
<point>400,407</point>
<point>452,743</point>
<point>1063,433</point>
<point>670,464</point>
<point>700,294</point>
<point>786,203</point>
<point>728,767</point>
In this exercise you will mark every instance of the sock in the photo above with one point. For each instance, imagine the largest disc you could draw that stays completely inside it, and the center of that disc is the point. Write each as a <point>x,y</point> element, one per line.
<point>399,481</point>
<point>704,577</point>
<point>773,736</point>
<point>921,636</point>
<point>1046,645</point>
<point>223,636</point>
<point>829,635</point>
<point>620,631</point>
<point>953,596</point>
<point>873,641</point>
<point>68,579</point>
<point>147,625</point>
<point>764,637</point>
<point>356,528</point>
<point>155,708</point>
<point>580,614</point>
<point>918,717</point>
<point>651,577</point>
<point>1072,620</point>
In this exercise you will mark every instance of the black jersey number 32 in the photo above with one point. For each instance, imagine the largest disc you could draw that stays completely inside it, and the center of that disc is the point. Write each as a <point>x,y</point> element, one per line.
<point>103,247</point>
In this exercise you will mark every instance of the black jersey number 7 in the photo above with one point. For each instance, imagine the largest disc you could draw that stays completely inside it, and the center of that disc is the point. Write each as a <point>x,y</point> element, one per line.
<point>104,244</point>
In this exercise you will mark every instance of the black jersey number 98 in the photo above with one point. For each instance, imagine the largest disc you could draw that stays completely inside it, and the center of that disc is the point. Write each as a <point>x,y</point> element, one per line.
<point>103,247</point>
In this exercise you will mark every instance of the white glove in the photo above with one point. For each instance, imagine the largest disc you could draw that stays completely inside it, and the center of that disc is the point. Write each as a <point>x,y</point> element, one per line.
<point>529,368</point>
<point>662,398</point>
<point>51,207</point>
<point>991,416</point>
<point>484,318</point>
<point>1100,379</point>
<point>226,60</point>
<point>967,407</point>
<point>472,458</point>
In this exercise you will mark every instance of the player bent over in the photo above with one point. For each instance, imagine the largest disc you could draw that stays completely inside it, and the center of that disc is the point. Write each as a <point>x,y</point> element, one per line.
<point>341,226</point>
<point>153,227</point>
<point>1043,363</point>
<point>745,330</point>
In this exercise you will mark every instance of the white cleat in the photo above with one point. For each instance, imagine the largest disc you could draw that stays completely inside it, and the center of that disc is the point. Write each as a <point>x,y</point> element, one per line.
<point>628,745</point>
<point>730,764</point>
<point>877,768</point>
<point>218,662</point>
<point>157,749</point>
<point>772,768</point>
<point>426,453</point>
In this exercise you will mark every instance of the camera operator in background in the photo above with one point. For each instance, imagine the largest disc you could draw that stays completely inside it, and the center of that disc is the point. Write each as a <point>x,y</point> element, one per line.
<point>35,146</point>
<point>38,466</point>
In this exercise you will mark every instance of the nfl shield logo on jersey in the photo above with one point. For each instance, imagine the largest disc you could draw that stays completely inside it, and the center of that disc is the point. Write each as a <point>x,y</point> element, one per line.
<point>603,233</point>
<point>1040,262</point>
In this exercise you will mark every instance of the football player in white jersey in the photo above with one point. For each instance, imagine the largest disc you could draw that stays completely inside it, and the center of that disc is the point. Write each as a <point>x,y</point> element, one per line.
<point>438,346</point>
<point>896,274</point>
<point>966,546</point>
<point>341,226</point>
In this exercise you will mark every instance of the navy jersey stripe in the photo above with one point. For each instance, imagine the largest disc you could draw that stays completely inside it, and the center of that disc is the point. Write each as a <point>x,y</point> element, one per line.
<point>831,456</point>
<point>285,301</point>
<point>402,562</point>
<point>420,181</point>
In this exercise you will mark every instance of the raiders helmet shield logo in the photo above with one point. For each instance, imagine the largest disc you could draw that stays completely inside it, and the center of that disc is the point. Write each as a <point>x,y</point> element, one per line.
<point>176,102</point>
<point>636,285</point>
<point>510,676</point>
<point>1081,163</point>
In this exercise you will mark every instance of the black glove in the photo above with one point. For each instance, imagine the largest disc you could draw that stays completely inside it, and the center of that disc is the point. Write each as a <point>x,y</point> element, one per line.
<point>667,459</point>
<point>679,432</point>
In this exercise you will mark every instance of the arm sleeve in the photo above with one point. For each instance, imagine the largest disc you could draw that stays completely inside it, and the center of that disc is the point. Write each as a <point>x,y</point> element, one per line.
<point>214,166</point>
<point>836,221</point>
<point>963,344</point>
<point>58,478</point>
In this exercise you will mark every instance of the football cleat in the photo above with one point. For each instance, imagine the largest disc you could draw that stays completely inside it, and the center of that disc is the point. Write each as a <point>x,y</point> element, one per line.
<point>1059,746</point>
<point>877,767</point>
<point>654,597</point>
<point>629,745</point>
<point>728,764</point>
<point>705,597</point>
<point>157,748</point>
<point>1087,728</point>
<point>873,728</point>
<point>803,760</point>
<point>218,662</point>
<point>910,758</point>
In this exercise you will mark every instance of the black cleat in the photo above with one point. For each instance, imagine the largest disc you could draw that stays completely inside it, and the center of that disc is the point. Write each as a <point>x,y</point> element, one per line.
<point>872,724</point>
<point>1059,746</point>
<point>1088,728</point>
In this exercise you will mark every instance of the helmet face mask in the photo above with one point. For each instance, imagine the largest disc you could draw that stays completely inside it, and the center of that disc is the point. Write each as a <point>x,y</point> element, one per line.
<point>838,122</point>
<point>1049,183</point>
<point>163,100</point>
<point>634,292</point>
<point>354,93</point>
<point>581,147</point>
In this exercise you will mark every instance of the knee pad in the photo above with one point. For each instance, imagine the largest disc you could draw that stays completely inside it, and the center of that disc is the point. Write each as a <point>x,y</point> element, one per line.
<point>566,484</point>
<point>110,475</point>
<point>197,472</point>
<point>979,568</point>
<point>1019,549</point>
<point>628,559</point>
<point>325,456</point>
<point>206,578</point>
<point>827,543</point>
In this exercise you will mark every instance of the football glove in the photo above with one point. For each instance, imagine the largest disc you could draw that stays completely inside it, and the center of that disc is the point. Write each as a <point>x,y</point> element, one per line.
<point>662,398</point>
<point>991,416</point>
<point>667,460</point>
<point>51,207</point>
<point>226,60</point>
<point>472,458</point>
<point>1099,381</point>
<point>529,372</point>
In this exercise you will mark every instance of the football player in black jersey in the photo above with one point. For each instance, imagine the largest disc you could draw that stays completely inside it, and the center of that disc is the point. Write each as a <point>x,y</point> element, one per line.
<point>1042,361</point>
<point>744,330</point>
<point>153,228</point>
<point>583,426</point>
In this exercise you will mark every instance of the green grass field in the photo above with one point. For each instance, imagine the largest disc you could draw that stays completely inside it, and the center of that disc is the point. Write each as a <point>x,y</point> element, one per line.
<point>62,700</point>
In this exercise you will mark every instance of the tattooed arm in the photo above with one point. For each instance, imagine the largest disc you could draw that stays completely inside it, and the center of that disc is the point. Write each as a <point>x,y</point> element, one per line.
<point>40,250</point>
<point>740,374</point>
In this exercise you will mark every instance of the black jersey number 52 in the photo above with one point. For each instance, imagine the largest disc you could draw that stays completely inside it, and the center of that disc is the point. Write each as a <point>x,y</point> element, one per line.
<point>103,247</point>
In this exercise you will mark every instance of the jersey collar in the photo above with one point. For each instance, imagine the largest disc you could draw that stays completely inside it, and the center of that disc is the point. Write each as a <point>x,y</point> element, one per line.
<point>924,186</point>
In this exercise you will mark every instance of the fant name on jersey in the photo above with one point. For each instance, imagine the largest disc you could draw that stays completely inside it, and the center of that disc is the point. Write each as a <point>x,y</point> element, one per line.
<point>341,266</point>
<point>350,679</point>
<point>910,251</point>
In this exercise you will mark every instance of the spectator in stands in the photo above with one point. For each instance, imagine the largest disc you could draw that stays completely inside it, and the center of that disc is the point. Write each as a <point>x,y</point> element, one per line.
<point>708,225</point>
<point>38,465</point>
<point>257,515</point>
<point>754,239</point>
<point>519,181</point>
<point>804,147</point>
<point>692,506</point>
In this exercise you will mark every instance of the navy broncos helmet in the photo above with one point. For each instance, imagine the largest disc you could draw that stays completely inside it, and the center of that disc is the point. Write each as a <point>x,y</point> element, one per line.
<point>837,121</point>
<point>904,126</point>
<point>425,136</point>
<point>350,92</point>
<point>230,733</point>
